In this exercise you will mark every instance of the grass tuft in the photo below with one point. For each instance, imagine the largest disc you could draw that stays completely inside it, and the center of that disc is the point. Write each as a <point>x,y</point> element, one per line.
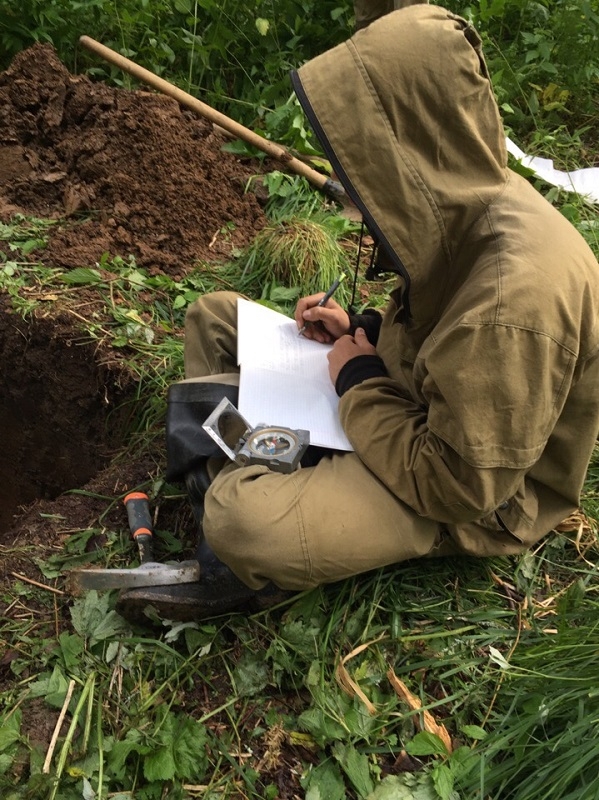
<point>299,252</point>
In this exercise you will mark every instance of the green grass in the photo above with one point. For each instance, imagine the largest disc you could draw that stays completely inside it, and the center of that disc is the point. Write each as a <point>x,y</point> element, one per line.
<point>499,655</point>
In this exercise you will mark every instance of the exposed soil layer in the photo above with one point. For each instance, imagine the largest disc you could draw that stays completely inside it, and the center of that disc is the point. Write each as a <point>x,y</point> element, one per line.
<point>61,414</point>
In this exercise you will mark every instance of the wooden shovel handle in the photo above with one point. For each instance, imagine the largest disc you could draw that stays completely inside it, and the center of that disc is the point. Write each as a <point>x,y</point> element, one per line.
<point>272,149</point>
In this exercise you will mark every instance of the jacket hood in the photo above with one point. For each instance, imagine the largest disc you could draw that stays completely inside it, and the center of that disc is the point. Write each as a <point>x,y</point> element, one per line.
<point>406,114</point>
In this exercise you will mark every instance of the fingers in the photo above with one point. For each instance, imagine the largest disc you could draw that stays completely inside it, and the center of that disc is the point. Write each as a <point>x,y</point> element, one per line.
<point>346,348</point>
<point>305,303</point>
<point>362,343</point>
<point>317,332</point>
<point>323,323</point>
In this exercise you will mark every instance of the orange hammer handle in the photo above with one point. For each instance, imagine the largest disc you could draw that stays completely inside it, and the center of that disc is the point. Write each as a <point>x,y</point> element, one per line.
<point>140,523</point>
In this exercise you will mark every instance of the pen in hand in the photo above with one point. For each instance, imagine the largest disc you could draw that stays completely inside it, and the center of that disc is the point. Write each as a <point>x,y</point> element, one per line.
<point>325,298</point>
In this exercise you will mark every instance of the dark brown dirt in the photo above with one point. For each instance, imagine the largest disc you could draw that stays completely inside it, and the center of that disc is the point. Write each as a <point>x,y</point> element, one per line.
<point>140,174</point>
<point>132,173</point>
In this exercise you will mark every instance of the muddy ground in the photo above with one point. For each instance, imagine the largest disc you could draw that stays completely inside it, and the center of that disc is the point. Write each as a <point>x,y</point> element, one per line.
<point>132,173</point>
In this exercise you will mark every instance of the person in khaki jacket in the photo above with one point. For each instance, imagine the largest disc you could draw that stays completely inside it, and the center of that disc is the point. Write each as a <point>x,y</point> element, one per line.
<point>473,401</point>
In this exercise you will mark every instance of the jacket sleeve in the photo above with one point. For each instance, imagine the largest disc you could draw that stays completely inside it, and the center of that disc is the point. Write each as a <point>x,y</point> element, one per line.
<point>487,401</point>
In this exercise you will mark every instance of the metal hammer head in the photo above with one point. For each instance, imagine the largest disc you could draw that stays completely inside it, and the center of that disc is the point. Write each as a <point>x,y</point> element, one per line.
<point>148,574</point>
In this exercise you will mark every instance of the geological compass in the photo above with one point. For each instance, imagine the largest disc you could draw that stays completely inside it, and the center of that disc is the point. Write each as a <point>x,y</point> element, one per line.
<point>278,448</point>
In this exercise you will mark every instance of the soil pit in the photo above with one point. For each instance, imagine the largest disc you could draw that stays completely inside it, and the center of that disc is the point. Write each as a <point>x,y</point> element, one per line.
<point>123,173</point>
<point>62,414</point>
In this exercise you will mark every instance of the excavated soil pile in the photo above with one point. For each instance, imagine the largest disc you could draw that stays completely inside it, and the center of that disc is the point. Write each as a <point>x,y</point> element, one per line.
<point>132,173</point>
<point>142,175</point>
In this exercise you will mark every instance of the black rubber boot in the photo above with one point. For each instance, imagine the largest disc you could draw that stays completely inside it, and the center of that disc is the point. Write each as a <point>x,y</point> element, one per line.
<point>219,591</point>
<point>197,482</point>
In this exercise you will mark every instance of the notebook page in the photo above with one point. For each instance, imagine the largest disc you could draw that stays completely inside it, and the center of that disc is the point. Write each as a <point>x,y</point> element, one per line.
<point>285,378</point>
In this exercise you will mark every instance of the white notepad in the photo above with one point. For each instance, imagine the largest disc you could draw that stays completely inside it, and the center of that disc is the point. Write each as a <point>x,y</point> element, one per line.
<point>284,377</point>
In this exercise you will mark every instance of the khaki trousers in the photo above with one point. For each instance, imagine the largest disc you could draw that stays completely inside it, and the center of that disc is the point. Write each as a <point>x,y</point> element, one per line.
<point>318,525</point>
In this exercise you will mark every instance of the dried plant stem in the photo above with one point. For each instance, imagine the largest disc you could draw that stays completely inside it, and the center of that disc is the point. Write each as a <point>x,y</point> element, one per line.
<point>58,726</point>
<point>24,578</point>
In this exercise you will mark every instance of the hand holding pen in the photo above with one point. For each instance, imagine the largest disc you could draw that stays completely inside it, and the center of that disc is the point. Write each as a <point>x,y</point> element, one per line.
<point>323,326</point>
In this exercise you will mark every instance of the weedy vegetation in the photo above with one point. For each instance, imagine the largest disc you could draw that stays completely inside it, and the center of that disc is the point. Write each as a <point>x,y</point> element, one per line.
<point>444,680</point>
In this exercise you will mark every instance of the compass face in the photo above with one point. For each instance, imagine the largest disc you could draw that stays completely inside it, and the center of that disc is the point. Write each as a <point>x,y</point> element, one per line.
<point>272,442</point>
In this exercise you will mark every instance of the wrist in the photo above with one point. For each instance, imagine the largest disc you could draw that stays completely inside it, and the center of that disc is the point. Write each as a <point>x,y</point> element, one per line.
<point>357,370</point>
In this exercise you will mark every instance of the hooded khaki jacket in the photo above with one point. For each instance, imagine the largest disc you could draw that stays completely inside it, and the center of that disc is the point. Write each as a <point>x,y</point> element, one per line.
<point>489,412</point>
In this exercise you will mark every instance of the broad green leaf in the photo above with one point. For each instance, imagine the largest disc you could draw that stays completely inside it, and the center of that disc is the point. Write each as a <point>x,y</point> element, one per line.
<point>355,765</point>
<point>112,651</point>
<point>10,729</point>
<point>323,728</point>
<point>31,244</point>
<point>5,764</point>
<point>159,765</point>
<point>181,752</point>
<point>251,674</point>
<point>314,674</point>
<point>443,780</point>
<point>137,278</point>
<point>82,275</point>
<point>426,744</point>
<point>281,294</point>
<point>120,751</point>
<point>527,565</point>
<point>189,748</point>
<point>359,721</point>
<point>405,787</point>
<point>324,782</point>
<point>177,629</point>
<point>53,688</point>
<point>474,731</point>
<point>88,793</point>
<point>88,612</point>
<point>110,626</point>
<point>195,641</point>
<point>71,647</point>
<point>462,761</point>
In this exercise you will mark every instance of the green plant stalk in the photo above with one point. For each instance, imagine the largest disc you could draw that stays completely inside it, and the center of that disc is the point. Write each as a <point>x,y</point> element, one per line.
<point>88,717</point>
<point>64,753</point>
<point>100,742</point>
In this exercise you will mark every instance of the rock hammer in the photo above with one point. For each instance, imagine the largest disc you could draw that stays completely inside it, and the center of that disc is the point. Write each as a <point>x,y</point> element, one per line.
<point>149,572</point>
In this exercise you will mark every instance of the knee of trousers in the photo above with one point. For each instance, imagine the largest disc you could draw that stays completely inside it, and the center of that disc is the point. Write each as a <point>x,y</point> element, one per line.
<point>211,335</point>
<point>211,311</point>
<point>214,300</point>
<point>249,532</point>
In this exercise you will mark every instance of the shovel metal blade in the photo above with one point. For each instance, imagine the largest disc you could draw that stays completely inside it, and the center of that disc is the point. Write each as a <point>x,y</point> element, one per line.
<point>150,574</point>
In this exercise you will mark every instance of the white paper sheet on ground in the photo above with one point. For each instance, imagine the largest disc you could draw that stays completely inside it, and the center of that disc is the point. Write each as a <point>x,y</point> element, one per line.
<point>284,377</point>
<point>582,181</point>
